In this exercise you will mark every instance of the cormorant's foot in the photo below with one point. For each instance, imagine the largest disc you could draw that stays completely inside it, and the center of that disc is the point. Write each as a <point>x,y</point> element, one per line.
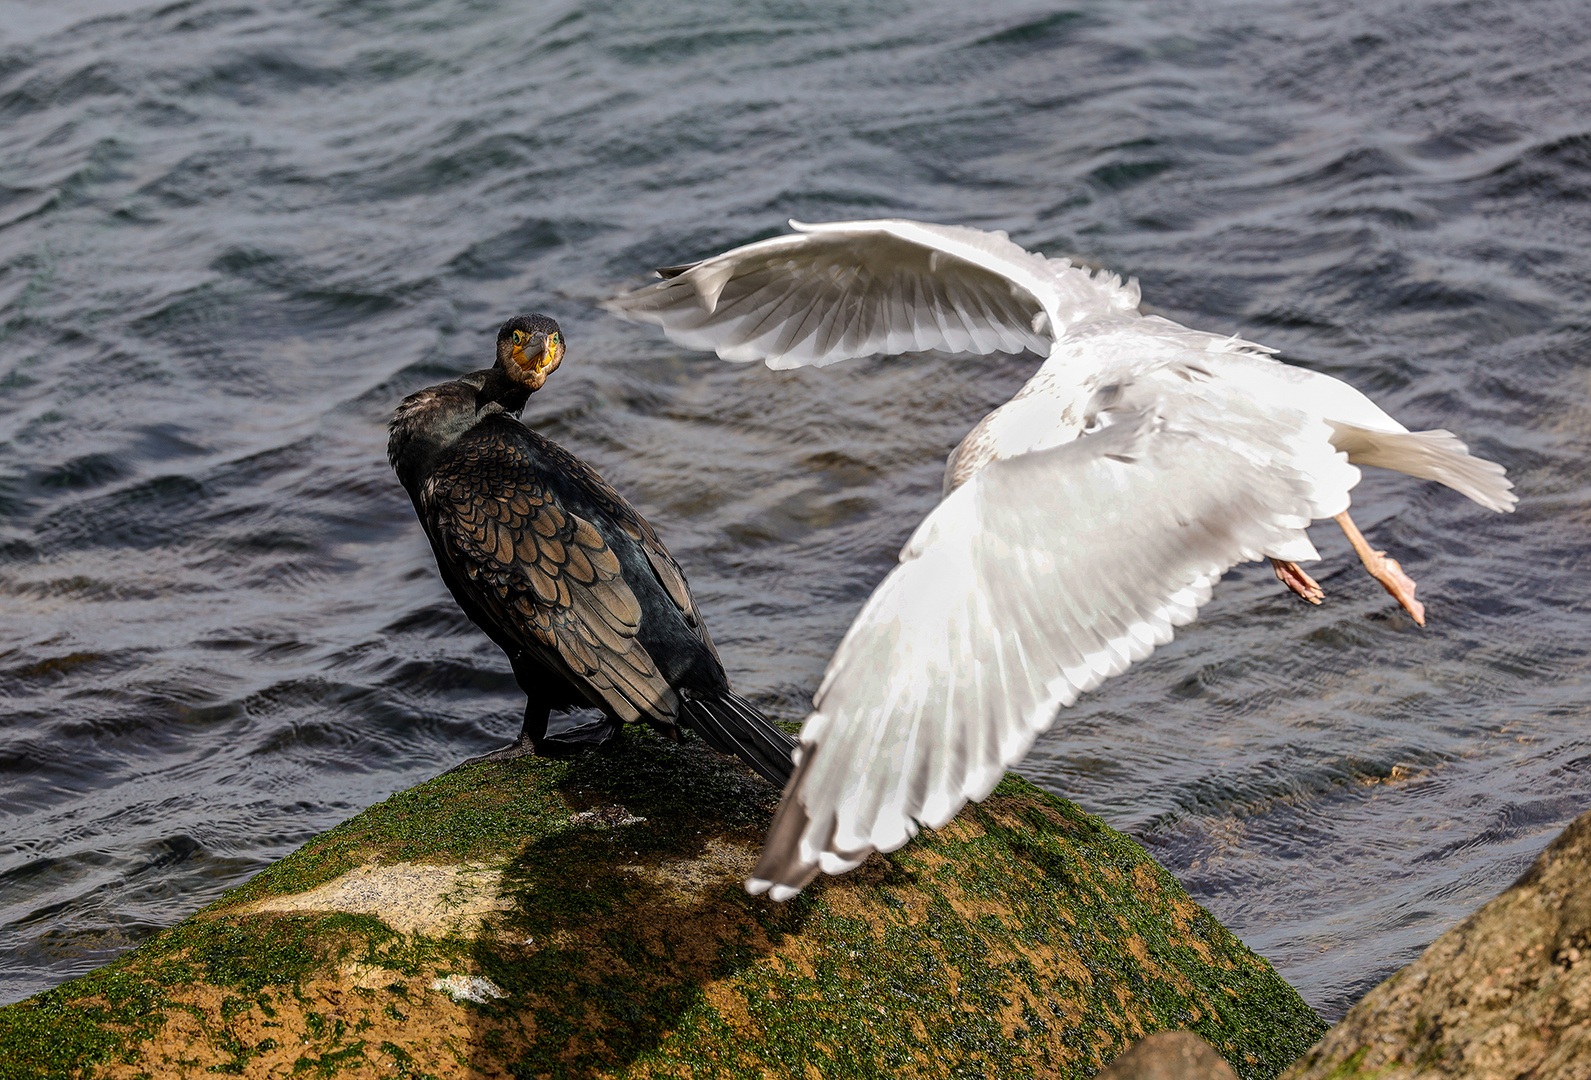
<point>569,742</point>
<point>566,747</point>
<point>519,748</point>
<point>566,732</point>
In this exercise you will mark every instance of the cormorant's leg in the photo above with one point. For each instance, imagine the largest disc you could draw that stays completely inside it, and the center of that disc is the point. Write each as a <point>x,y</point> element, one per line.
<point>1385,570</point>
<point>534,730</point>
<point>1292,575</point>
<point>535,740</point>
<point>566,739</point>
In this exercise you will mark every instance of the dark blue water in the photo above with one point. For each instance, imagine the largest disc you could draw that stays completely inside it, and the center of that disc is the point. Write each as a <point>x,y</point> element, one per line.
<point>234,234</point>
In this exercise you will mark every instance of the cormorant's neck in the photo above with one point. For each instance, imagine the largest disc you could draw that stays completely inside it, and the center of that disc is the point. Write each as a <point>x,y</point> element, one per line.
<point>498,388</point>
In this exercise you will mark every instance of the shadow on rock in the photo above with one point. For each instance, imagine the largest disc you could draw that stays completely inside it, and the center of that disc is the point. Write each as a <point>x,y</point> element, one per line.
<point>623,923</point>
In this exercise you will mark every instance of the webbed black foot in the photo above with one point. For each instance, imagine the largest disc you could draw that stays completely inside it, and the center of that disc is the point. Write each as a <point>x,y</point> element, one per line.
<point>570,737</point>
<point>569,742</point>
<point>519,748</point>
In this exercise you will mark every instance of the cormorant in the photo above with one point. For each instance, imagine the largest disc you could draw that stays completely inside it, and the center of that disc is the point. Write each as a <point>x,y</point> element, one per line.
<point>562,573</point>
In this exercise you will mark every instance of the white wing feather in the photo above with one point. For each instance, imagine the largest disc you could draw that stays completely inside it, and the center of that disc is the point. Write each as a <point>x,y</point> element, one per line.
<point>837,291</point>
<point>1037,579</point>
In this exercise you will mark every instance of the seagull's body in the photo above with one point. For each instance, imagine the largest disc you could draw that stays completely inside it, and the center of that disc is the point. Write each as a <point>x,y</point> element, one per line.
<point>1082,520</point>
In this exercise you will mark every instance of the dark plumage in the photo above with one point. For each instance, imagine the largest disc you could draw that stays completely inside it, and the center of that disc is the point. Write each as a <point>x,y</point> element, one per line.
<point>560,571</point>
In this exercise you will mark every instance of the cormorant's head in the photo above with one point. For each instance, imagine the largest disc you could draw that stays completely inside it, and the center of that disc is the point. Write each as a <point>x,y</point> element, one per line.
<point>529,347</point>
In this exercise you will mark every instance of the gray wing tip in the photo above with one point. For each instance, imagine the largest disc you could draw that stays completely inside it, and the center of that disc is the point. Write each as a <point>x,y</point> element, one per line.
<point>632,306</point>
<point>1501,495</point>
<point>776,892</point>
<point>621,303</point>
<point>781,872</point>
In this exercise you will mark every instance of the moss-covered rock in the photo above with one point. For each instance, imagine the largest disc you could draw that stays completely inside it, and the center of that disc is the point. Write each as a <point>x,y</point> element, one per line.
<point>585,918</point>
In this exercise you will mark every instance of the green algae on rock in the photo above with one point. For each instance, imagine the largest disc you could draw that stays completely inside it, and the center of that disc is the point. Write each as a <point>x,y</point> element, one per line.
<point>585,918</point>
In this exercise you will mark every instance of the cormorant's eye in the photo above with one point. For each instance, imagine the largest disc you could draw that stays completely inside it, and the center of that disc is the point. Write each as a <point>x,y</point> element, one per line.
<point>519,337</point>
<point>556,339</point>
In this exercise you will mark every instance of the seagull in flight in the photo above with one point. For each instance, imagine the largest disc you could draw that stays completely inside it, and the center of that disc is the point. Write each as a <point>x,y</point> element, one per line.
<point>1081,521</point>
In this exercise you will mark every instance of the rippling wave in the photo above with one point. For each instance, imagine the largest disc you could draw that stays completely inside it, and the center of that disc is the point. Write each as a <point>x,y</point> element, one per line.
<point>232,235</point>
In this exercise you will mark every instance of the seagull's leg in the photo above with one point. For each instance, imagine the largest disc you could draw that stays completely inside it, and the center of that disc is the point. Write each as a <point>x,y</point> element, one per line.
<point>1292,575</point>
<point>1385,570</point>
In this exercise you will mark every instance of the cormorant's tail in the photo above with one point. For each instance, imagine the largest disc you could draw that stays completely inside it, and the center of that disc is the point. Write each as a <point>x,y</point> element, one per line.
<point>732,725</point>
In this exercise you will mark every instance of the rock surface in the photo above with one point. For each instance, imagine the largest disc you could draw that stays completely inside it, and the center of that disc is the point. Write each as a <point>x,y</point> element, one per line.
<point>1505,994</point>
<point>1169,1055</point>
<point>585,918</point>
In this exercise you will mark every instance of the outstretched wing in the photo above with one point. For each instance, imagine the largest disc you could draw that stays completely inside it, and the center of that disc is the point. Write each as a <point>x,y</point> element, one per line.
<point>853,288</point>
<point>1034,581</point>
<point>546,577</point>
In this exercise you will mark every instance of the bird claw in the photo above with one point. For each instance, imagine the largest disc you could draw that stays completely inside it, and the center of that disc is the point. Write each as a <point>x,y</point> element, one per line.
<point>1385,570</point>
<point>1400,585</point>
<point>1292,575</point>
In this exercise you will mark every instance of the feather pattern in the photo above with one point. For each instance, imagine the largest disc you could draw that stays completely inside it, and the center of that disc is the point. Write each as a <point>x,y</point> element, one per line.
<point>545,572</point>
<point>833,293</point>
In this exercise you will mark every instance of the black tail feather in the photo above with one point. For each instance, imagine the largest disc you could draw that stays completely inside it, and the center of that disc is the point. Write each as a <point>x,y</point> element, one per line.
<point>732,725</point>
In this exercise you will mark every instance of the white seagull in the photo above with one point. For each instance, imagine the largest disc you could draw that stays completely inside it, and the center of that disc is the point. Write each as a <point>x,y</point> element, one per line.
<point>1081,520</point>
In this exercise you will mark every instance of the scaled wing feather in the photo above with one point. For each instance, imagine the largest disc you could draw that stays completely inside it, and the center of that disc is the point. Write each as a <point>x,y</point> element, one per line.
<point>543,575</point>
